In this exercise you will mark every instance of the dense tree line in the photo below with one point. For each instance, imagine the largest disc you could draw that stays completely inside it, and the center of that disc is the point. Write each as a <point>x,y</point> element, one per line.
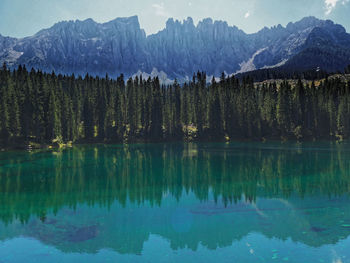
<point>284,73</point>
<point>40,107</point>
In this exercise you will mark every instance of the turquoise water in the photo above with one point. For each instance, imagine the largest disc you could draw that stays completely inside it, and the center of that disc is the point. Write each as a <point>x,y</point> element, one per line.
<point>237,202</point>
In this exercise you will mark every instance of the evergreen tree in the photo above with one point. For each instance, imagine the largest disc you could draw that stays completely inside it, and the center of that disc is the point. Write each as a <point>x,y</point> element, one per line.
<point>282,109</point>
<point>43,107</point>
<point>156,129</point>
<point>215,114</point>
<point>54,121</point>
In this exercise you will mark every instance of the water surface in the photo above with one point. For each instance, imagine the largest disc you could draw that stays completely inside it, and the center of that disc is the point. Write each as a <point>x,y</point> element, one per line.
<point>237,202</point>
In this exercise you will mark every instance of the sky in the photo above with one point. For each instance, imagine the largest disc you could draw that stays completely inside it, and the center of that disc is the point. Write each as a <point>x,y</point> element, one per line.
<point>21,18</point>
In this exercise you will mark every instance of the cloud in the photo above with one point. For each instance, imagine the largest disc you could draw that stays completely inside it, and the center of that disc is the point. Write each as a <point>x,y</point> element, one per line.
<point>331,4</point>
<point>247,15</point>
<point>160,10</point>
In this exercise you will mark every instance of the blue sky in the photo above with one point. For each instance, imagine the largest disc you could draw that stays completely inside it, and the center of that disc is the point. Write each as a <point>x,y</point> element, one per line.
<point>21,18</point>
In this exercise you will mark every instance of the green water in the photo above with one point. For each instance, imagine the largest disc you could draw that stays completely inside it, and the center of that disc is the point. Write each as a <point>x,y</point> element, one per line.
<point>238,202</point>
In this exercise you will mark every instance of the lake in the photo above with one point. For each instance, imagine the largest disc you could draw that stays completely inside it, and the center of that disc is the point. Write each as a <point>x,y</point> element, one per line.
<point>176,202</point>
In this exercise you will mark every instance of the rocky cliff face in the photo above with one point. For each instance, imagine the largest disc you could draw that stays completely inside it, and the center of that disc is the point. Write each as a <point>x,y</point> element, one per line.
<point>86,46</point>
<point>214,47</point>
<point>7,53</point>
<point>182,48</point>
<point>286,43</point>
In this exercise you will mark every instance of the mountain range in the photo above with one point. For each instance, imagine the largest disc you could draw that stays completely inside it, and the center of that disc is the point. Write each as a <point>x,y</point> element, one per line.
<point>180,49</point>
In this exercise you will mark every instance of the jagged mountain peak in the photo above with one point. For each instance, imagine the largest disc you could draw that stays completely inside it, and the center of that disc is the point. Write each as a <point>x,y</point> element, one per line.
<point>307,21</point>
<point>335,35</point>
<point>132,21</point>
<point>312,22</point>
<point>175,23</point>
<point>89,25</point>
<point>302,24</point>
<point>181,48</point>
<point>204,23</point>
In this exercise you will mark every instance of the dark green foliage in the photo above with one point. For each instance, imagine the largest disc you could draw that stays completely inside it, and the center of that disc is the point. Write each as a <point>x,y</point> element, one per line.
<point>216,130</point>
<point>283,73</point>
<point>155,128</point>
<point>44,107</point>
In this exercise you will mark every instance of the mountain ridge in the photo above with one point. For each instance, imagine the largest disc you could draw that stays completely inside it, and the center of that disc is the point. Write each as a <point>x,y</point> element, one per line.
<point>181,48</point>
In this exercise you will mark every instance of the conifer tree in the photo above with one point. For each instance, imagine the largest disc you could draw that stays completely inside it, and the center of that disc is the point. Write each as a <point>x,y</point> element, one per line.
<point>42,107</point>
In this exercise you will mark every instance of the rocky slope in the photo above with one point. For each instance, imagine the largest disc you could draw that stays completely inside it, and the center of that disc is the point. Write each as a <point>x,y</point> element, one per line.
<point>121,46</point>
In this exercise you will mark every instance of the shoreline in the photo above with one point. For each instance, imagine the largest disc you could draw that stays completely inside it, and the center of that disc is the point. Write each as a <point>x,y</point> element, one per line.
<point>32,146</point>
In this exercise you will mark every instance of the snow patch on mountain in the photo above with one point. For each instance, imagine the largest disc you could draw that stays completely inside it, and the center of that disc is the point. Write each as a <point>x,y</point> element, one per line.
<point>284,61</point>
<point>249,64</point>
<point>163,77</point>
